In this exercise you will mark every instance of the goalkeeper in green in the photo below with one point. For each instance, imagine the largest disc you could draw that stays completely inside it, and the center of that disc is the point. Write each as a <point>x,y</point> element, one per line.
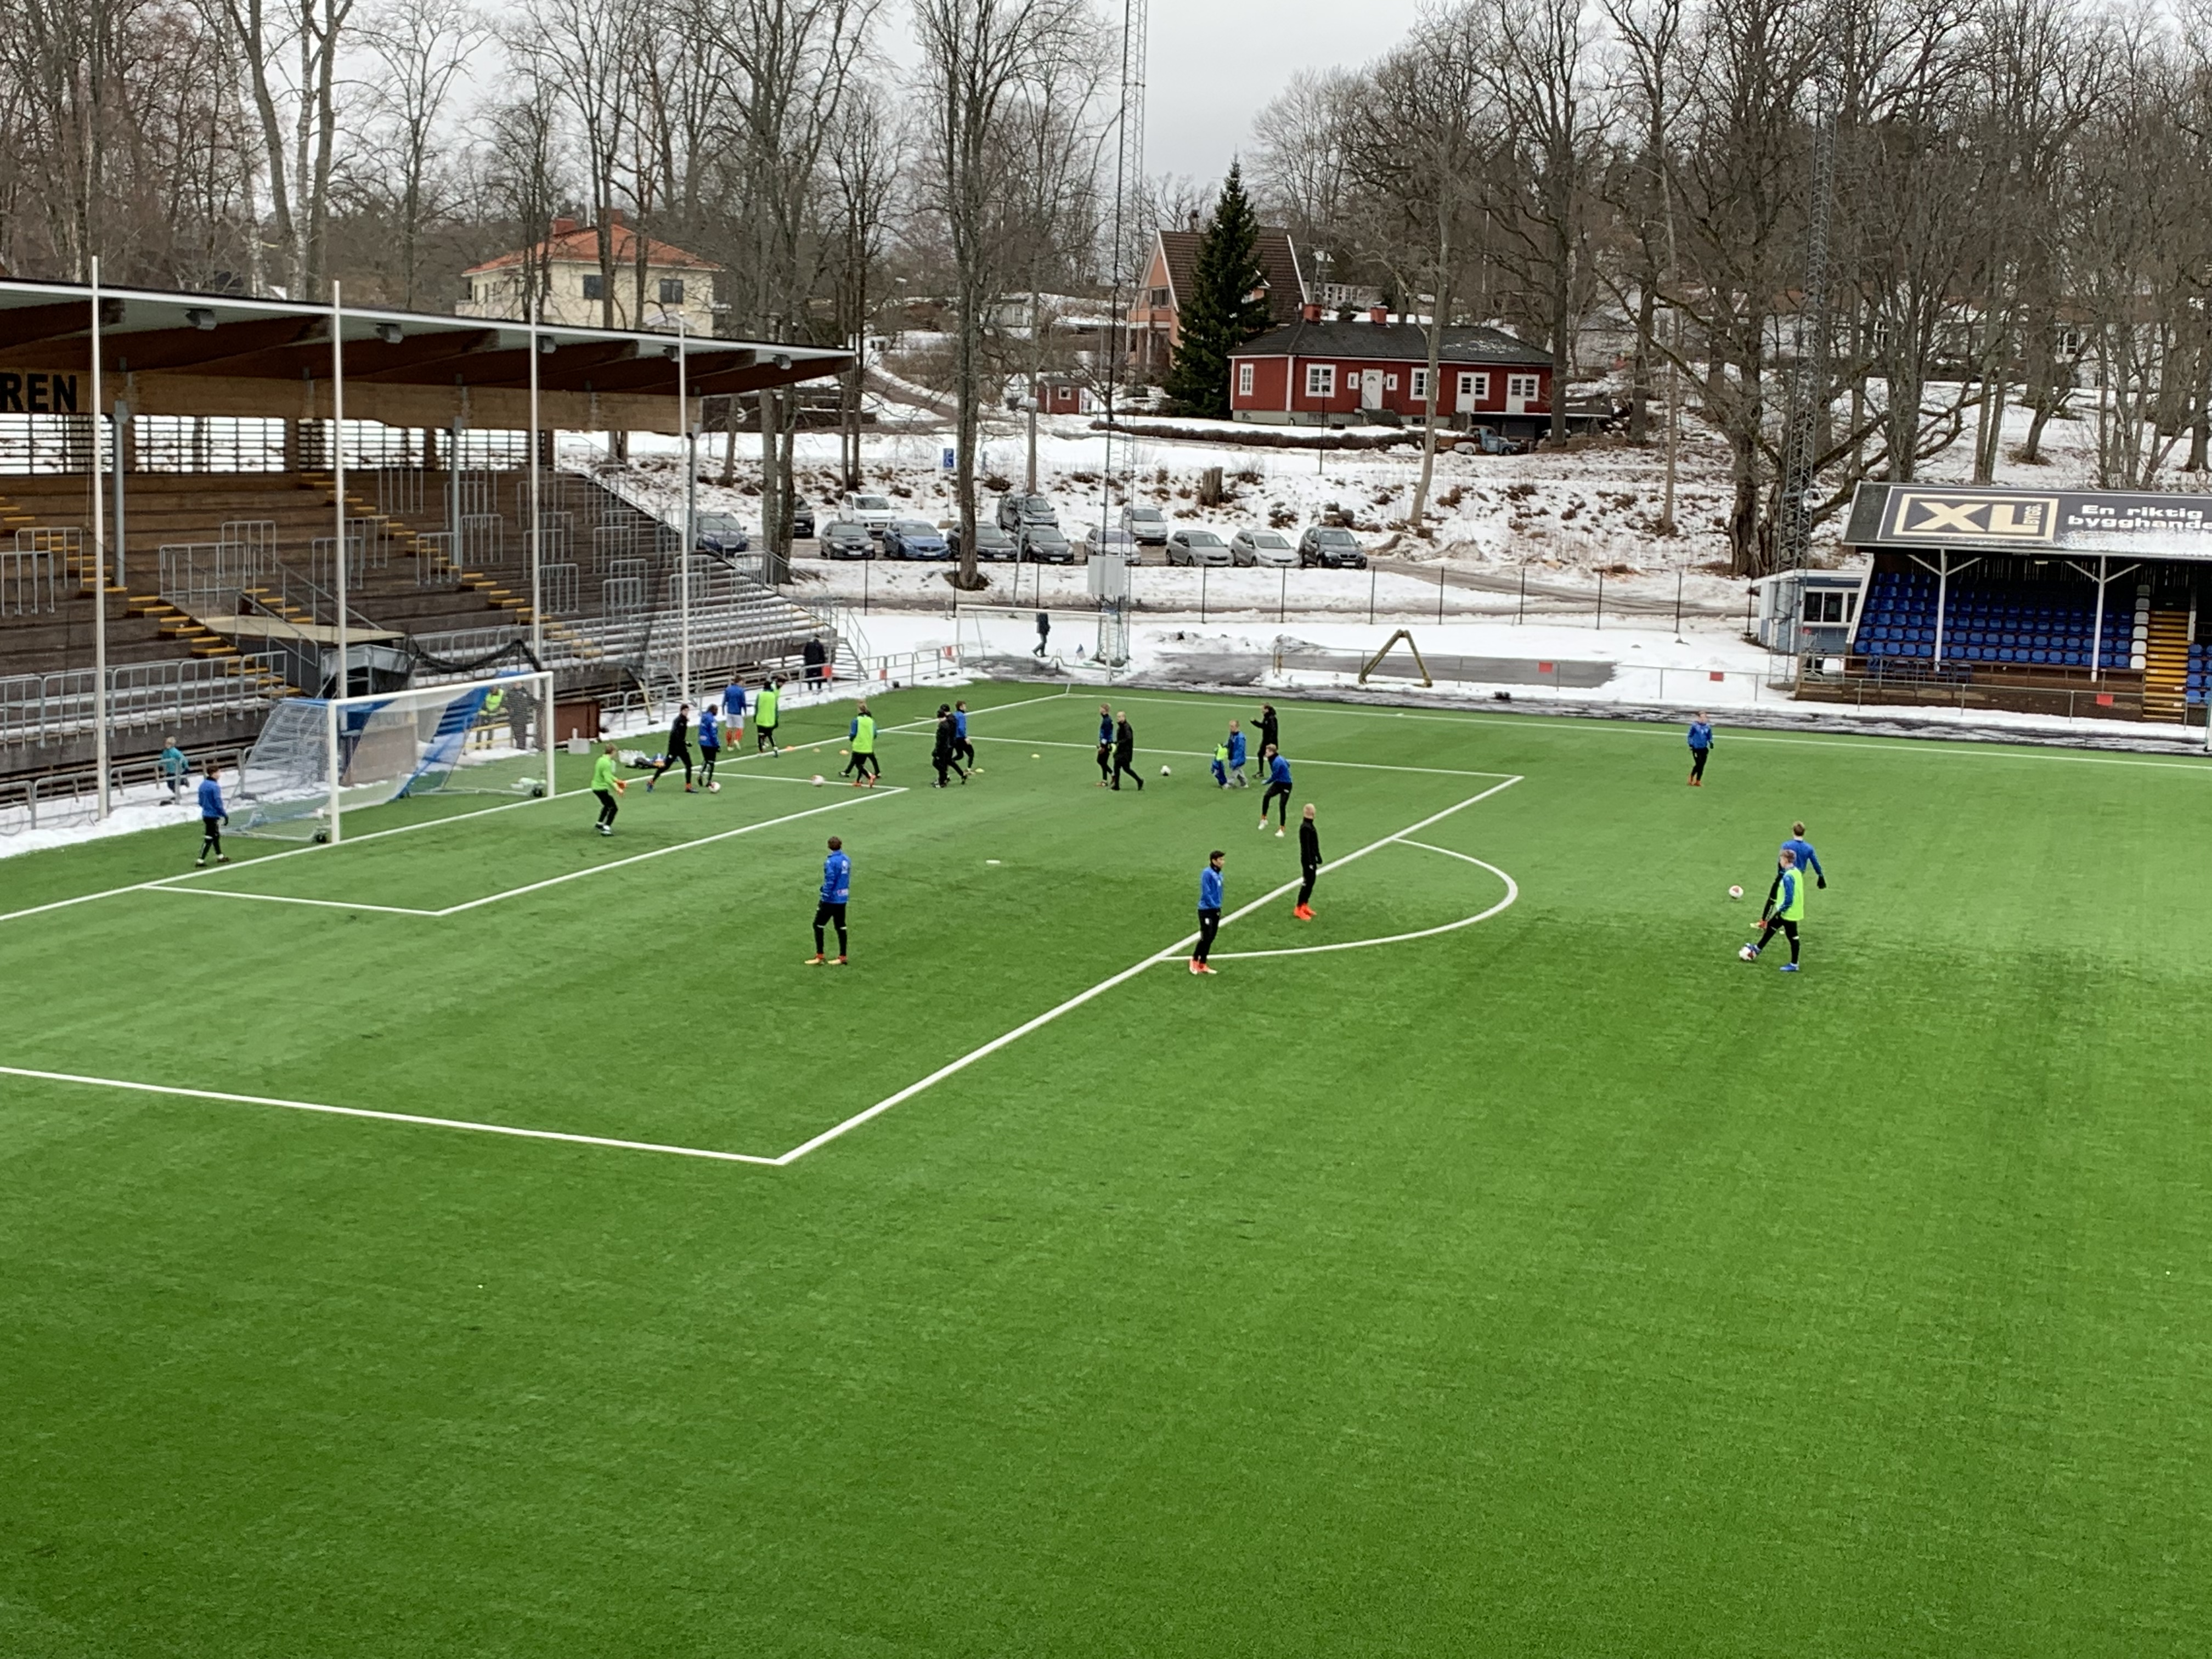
<point>606,785</point>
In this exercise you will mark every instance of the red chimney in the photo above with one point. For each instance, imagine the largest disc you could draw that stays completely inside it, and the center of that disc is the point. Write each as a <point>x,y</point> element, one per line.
<point>1378,314</point>
<point>1311,312</point>
<point>617,215</point>
<point>563,227</point>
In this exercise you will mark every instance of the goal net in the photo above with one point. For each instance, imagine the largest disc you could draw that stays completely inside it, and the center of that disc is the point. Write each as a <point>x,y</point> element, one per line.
<point>319,760</point>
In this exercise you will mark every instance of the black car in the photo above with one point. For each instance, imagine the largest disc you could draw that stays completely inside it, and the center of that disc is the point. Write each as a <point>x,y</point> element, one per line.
<point>1042,544</point>
<point>802,519</point>
<point>1331,549</point>
<point>991,542</point>
<point>845,539</point>
<point>720,533</point>
<point>1018,512</point>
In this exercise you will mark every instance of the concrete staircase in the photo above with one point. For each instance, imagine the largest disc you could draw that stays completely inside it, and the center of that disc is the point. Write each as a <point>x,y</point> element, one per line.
<point>2166,666</point>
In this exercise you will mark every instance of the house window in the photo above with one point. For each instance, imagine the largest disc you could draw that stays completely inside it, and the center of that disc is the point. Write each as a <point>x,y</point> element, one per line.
<point>1389,383</point>
<point>671,290</point>
<point>1528,388</point>
<point>1823,607</point>
<point>1321,380</point>
<point>1420,388</point>
<point>595,287</point>
<point>1243,380</point>
<point>1157,296</point>
<point>1474,388</point>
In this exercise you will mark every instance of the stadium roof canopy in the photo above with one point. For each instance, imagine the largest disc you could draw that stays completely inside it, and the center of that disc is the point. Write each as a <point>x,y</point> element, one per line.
<point>191,354</point>
<point>1986,519</point>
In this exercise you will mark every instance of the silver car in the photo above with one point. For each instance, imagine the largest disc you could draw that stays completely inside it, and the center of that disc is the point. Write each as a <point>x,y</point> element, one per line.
<point>1270,548</point>
<point>1146,523</point>
<point>1196,547</point>
<point>1101,541</point>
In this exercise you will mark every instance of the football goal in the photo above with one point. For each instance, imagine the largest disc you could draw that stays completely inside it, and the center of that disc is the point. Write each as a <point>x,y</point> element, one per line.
<point>319,759</point>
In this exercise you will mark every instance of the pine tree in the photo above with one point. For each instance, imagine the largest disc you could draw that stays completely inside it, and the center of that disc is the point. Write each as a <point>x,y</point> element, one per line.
<point>1224,310</point>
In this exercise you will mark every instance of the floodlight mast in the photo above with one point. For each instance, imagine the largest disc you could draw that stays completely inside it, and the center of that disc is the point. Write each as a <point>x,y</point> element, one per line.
<point>1128,175</point>
<point>99,566</point>
<point>1808,375</point>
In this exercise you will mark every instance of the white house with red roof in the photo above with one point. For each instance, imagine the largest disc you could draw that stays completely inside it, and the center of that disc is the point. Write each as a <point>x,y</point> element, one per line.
<point>680,287</point>
<point>1312,373</point>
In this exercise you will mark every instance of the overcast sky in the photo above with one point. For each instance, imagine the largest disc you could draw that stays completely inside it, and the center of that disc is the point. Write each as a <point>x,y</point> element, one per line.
<point>1214,62</point>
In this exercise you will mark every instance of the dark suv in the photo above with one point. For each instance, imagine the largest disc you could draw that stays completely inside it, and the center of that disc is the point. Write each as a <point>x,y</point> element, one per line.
<point>1331,549</point>
<point>1018,512</point>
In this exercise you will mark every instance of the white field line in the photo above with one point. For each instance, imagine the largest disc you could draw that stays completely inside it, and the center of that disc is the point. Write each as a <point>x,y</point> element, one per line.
<point>551,881</point>
<point>1512,892</point>
<point>1105,985</point>
<point>1207,755</point>
<point>160,882</point>
<point>388,1117</point>
<point>1992,749</point>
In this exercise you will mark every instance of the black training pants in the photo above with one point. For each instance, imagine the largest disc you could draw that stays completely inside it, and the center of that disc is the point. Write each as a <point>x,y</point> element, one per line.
<point>709,754</point>
<point>763,737</point>
<point>1277,792</point>
<point>1122,765</point>
<point>824,913</point>
<point>1105,761</point>
<point>1698,763</point>
<point>1306,887</point>
<point>1209,924</point>
<point>1781,924</point>
<point>607,806</point>
<point>667,761</point>
<point>211,837</point>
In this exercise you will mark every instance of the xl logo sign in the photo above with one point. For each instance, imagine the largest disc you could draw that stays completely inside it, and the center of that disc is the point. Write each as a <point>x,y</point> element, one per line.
<point>1952,515</point>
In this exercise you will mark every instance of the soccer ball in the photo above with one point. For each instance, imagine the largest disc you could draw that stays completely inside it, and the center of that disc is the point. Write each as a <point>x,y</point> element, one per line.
<point>817,779</point>
<point>713,788</point>
<point>1749,953</point>
<point>1037,756</point>
<point>1735,892</point>
<point>1164,772</point>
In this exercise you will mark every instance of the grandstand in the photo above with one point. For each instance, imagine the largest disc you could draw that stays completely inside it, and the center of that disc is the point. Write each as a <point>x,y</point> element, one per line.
<point>2077,603</point>
<point>223,530</point>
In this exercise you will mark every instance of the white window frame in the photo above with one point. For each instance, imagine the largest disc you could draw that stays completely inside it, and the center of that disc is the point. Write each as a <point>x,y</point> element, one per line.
<point>1474,389</point>
<point>1244,379</point>
<point>1529,388</point>
<point>1389,382</point>
<point>1420,390</point>
<point>1321,380</point>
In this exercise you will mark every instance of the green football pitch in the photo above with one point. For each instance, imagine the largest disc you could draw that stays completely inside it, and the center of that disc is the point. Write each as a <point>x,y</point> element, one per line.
<point>1495,1264</point>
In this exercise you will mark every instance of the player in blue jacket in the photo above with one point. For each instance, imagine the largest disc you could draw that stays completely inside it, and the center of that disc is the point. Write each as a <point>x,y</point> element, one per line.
<point>1278,789</point>
<point>1105,743</point>
<point>212,817</point>
<point>1800,854</point>
<point>710,744</point>
<point>1701,747</point>
<point>733,712</point>
<point>1209,910</point>
<point>965,749</point>
<point>1237,755</point>
<point>836,891</point>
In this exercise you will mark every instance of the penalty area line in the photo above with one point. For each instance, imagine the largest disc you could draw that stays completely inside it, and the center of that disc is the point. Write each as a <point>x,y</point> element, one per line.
<point>416,1118</point>
<point>1169,954</point>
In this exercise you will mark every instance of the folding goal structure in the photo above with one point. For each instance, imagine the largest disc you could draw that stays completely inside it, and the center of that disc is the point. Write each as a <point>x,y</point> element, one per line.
<point>319,759</point>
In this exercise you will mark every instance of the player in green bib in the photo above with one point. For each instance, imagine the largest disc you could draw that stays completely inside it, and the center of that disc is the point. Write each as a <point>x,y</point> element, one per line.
<point>863,765</point>
<point>606,786</point>
<point>766,708</point>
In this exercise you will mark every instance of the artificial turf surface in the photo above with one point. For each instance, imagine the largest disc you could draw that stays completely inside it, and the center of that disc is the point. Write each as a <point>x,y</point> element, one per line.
<point>1558,1284</point>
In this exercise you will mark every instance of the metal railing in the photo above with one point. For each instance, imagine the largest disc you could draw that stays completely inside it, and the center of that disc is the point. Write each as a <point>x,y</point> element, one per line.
<point>30,584</point>
<point>435,564</point>
<point>59,800</point>
<point>210,577</point>
<point>37,708</point>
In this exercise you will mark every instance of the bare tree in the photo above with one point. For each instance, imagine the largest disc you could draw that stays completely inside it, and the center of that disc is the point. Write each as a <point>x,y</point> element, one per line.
<point>423,48</point>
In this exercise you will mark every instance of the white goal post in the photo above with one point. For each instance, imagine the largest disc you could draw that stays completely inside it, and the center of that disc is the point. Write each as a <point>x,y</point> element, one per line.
<point>320,758</point>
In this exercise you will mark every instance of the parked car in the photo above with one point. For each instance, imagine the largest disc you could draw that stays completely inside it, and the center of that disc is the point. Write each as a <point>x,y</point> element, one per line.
<point>874,511</point>
<point>1196,547</point>
<point>1262,547</point>
<point>1331,549</point>
<point>720,533</point>
<point>1016,510</point>
<point>1099,542</point>
<point>914,538</point>
<point>991,542</point>
<point>1491,442</point>
<point>1147,524</point>
<point>1042,544</point>
<point>845,538</point>
<point>802,519</point>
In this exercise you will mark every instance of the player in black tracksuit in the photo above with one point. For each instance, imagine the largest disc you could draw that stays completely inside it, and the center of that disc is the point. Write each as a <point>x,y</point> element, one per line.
<point>1125,751</point>
<point>679,748</point>
<point>1269,738</point>
<point>1309,862</point>
<point>946,757</point>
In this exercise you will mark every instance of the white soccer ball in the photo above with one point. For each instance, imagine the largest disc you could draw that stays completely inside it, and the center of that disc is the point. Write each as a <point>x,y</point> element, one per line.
<point>322,811</point>
<point>1164,772</point>
<point>1735,892</point>
<point>713,788</point>
<point>1749,953</point>
<point>817,779</point>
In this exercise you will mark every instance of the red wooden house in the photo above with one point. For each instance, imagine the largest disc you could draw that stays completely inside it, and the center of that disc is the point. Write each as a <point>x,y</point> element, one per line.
<point>1312,373</point>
